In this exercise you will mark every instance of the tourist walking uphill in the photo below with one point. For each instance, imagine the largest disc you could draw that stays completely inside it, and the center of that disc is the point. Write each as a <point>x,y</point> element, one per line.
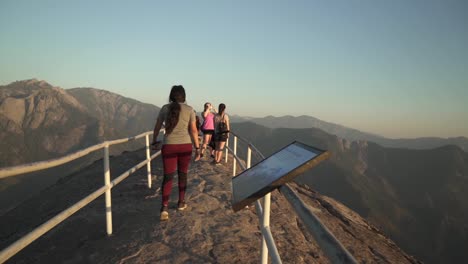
<point>222,127</point>
<point>176,146</point>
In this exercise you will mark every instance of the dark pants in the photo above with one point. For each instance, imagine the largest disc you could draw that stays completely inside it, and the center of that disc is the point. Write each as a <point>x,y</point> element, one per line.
<point>175,157</point>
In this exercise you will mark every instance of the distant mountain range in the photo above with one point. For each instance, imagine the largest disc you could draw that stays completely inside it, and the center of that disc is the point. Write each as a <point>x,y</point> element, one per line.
<point>352,134</point>
<point>414,189</point>
<point>418,197</point>
<point>39,122</point>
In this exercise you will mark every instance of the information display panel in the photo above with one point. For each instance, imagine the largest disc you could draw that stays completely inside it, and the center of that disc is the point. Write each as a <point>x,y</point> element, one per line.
<point>274,171</point>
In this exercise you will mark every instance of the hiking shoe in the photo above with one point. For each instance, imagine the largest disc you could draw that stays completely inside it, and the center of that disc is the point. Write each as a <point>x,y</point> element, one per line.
<point>164,214</point>
<point>181,206</point>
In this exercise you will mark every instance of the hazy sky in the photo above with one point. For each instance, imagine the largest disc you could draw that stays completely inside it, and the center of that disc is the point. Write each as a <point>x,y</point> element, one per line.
<point>398,68</point>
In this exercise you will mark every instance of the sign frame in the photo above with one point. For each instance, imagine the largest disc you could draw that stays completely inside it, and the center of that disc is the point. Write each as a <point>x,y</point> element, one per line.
<point>239,203</point>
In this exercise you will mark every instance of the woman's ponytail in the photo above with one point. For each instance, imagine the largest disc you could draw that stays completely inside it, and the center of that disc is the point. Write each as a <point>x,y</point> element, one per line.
<point>172,117</point>
<point>176,96</point>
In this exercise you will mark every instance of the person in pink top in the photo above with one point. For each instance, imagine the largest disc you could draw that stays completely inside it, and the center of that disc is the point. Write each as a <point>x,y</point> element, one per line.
<point>207,127</point>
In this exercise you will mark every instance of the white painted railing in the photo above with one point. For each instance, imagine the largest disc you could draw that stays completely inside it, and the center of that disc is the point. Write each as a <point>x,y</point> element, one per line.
<point>335,251</point>
<point>329,244</point>
<point>14,248</point>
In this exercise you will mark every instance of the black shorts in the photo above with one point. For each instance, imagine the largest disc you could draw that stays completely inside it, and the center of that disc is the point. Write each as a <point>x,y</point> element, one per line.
<point>220,137</point>
<point>208,131</point>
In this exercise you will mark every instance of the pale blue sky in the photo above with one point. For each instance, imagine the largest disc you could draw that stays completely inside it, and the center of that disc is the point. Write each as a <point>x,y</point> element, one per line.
<point>397,68</point>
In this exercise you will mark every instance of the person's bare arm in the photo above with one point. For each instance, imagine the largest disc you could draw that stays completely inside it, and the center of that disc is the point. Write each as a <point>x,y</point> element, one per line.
<point>157,127</point>
<point>228,125</point>
<point>207,111</point>
<point>194,134</point>
<point>205,114</point>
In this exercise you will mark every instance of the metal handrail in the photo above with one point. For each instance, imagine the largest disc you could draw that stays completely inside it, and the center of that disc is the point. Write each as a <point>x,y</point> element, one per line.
<point>21,243</point>
<point>336,252</point>
<point>265,229</point>
<point>41,165</point>
<point>331,246</point>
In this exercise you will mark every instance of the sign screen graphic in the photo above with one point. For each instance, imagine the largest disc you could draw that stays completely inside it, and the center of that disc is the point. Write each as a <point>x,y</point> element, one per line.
<point>272,172</point>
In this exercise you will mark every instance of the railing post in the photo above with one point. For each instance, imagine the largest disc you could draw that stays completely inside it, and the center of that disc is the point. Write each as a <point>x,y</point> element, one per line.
<point>227,145</point>
<point>266,224</point>
<point>249,156</point>
<point>148,159</point>
<point>227,151</point>
<point>108,191</point>
<point>234,161</point>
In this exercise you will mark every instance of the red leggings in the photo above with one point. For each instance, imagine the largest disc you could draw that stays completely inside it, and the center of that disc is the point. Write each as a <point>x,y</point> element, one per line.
<point>176,157</point>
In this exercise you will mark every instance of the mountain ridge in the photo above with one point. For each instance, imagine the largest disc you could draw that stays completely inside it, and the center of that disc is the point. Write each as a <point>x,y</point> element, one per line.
<point>397,189</point>
<point>358,176</point>
<point>57,121</point>
<point>352,134</point>
<point>39,121</point>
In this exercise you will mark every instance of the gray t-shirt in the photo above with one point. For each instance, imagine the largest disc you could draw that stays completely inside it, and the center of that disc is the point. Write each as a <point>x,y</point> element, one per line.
<point>180,134</point>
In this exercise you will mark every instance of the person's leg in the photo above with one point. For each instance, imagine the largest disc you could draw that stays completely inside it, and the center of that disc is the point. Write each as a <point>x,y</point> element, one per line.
<point>213,149</point>
<point>198,157</point>
<point>181,205</point>
<point>183,163</point>
<point>169,167</point>
<point>166,189</point>
<point>219,150</point>
<point>211,145</point>
<point>209,137</point>
<point>215,140</point>
<point>206,140</point>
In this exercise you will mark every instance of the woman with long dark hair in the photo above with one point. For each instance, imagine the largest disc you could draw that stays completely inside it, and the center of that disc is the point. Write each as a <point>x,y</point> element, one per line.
<point>181,132</point>
<point>222,127</point>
